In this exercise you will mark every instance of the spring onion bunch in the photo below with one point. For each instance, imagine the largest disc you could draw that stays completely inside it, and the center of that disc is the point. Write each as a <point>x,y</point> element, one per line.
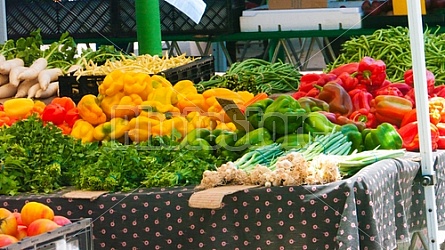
<point>351,164</point>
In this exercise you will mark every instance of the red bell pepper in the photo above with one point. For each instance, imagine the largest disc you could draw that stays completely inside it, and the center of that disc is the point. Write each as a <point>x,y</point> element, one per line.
<point>389,90</point>
<point>349,68</point>
<point>297,95</point>
<point>348,81</point>
<point>391,109</point>
<point>313,92</point>
<point>411,96</point>
<point>374,88</point>
<point>72,116</point>
<point>54,113</point>
<point>365,116</point>
<point>66,102</point>
<point>308,81</point>
<point>361,99</point>
<point>403,87</point>
<point>430,80</point>
<point>439,90</point>
<point>410,136</point>
<point>409,117</point>
<point>371,72</point>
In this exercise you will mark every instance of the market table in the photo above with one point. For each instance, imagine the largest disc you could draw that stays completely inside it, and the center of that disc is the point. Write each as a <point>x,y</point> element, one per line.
<point>381,206</point>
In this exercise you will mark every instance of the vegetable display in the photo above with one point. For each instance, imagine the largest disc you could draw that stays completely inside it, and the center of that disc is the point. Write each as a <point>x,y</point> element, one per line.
<point>143,131</point>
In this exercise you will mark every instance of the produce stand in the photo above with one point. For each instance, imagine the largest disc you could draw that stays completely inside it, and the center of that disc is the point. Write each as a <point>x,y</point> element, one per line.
<point>385,205</point>
<point>381,206</point>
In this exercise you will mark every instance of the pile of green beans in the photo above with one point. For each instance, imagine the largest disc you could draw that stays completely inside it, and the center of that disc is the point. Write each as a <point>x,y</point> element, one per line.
<point>392,46</point>
<point>256,76</point>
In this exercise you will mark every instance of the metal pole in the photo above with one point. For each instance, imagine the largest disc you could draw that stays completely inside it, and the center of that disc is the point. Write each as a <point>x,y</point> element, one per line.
<point>3,26</point>
<point>419,73</point>
<point>148,27</point>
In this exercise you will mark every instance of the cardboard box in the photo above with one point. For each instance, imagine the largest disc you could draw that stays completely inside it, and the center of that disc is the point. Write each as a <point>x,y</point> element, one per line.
<point>297,4</point>
<point>400,8</point>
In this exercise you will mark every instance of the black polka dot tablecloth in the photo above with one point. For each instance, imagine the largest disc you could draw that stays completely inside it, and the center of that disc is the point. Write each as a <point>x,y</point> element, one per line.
<point>377,208</point>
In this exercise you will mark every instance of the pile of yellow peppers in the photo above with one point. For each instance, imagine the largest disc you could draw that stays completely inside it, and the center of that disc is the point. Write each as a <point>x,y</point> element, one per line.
<point>138,105</point>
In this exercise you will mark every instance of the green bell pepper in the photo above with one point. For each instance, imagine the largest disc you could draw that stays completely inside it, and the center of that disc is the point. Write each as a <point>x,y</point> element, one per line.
<point>225,144</point>
<point>293,141</point>
<point>311,104</point>
<point>211,138</point>
<point>255,111</point>
<point>283,116</point>
<point>384,136</point>
<point>197,133</point>
<point>354,136</point>
<point>259,136</point>
<point>318,123</point>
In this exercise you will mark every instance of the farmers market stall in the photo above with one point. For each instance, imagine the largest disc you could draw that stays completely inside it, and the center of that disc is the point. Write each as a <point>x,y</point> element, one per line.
<point>381,206</point>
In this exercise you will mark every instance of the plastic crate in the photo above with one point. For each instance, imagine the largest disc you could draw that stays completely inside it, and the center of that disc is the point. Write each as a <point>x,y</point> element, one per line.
<point>199,70</point>
<point>77,235</point>
<point>76,88</point>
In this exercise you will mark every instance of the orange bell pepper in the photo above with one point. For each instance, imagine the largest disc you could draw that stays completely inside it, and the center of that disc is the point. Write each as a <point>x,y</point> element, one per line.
<point>391,109</point>
<point>90,111</point>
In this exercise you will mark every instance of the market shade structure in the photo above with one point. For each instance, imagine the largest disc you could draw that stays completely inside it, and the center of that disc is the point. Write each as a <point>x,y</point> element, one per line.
<point>421,95</point>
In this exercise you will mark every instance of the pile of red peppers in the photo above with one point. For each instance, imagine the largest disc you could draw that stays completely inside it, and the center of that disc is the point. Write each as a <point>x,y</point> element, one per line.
<point>360,93</point>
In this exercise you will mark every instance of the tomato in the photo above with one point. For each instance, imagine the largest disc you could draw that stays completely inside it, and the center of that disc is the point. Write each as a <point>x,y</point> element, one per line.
<point>40,226</point>
<point>6,240</point>
<point>61,220</point>
<point>8,223</point>
<point>32,211</point>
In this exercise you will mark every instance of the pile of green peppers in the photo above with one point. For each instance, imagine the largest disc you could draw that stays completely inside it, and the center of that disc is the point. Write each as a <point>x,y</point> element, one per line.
<point>291,123</point>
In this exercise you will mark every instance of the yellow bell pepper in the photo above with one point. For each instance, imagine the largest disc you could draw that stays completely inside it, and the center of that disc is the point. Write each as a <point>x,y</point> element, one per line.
<point>197,120</point>
<point>166,127</point>
<point>137,83</point>
<point>139,134</point>
<point>156,106</point>
<point>222,93</point>
<point>90,111</point>
<point>245,96</point>
<point>83,130</point>
<point>144,111</point>
<point>18,107</point>
<point>121,105</point>
<point>158,81</point>
<point>111,130</point>
<point>226,126</point>
<point>184,89</point>
<point>112,83</point>
<point>164,95</point>
<point>143,122</point>
<point>193,102</point>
